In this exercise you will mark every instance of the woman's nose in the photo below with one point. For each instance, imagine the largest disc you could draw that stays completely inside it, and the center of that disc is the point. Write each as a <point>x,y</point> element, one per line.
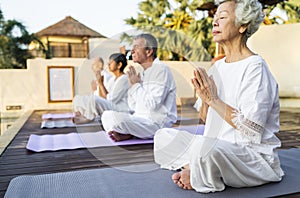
<point>214,23</point>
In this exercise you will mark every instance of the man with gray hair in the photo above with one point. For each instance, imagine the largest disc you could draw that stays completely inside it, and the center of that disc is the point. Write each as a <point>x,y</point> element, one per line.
<point>152,96</point>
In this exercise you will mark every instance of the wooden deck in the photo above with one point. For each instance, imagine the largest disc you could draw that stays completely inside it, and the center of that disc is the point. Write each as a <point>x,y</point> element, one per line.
<point>16,160</point>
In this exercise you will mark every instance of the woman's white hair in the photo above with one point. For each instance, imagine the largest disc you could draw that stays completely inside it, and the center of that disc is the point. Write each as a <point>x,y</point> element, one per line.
<point>247,12</point>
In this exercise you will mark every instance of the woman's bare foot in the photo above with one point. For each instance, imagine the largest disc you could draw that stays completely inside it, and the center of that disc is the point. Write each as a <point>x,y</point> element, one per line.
<point>77,113</point>
<point>115,136</point>
<point>176,177</point>
<point>80,119</point>
<point>185,179</point>
<point>182,179</point>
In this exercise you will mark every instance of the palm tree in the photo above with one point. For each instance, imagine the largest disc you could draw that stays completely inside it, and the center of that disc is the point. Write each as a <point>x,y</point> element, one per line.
<point>292,9</point>
<point>188,26</point>
<point>170,27</point>
<point>179,20</point>
<point>14,41</point>
<point>151,12</point>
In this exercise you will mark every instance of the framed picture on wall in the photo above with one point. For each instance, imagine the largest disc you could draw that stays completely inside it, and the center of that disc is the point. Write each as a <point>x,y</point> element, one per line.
<point>60,83</point>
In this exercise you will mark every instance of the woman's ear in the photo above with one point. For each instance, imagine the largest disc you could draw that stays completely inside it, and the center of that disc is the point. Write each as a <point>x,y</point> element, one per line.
<point>243,28</point>
<point>119,65</point>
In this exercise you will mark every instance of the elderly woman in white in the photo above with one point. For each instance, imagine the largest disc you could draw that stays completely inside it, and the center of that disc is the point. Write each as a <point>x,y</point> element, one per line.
<point>112,96</point>
<point>240,108</point>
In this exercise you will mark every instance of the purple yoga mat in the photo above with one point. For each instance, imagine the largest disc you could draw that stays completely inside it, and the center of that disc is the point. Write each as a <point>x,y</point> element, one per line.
<point>76,140</point>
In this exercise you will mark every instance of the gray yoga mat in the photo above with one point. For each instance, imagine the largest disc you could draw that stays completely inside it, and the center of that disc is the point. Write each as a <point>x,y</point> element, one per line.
<point>143,181</point>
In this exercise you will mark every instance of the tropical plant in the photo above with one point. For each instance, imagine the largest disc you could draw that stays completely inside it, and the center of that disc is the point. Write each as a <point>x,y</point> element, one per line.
<point>151,13</point>
<point>14,41</point>
<point>179,20</point>
<point>171,27</point>
<point>290,8</point>
<point>184,28</point>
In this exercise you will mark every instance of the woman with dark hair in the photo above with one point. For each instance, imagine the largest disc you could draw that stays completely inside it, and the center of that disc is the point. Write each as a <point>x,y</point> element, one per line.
<point>152,95</point>
<point>111,97</point>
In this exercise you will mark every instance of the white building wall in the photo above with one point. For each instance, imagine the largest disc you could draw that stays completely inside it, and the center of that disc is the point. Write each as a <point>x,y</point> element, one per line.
<point>280,46</point>
<point>28,88</point>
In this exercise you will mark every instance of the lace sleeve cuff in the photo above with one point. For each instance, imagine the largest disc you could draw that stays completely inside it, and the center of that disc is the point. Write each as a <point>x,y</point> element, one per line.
<point>246,130</point>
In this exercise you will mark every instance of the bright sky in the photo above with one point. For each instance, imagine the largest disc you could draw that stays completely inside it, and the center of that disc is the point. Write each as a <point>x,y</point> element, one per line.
<point>104,16</point>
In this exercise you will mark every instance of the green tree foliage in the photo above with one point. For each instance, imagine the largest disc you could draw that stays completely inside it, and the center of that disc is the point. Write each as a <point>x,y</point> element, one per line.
<point>181,28</point>
<point>171,26</point>
<point>14,41</point>
<point>291,8</point>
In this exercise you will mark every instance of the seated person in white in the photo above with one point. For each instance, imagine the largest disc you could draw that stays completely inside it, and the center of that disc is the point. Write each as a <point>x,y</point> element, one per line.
<point>99,70</point>
<point>114,97</point>
<point>152,96</point>
<point>240,108</point>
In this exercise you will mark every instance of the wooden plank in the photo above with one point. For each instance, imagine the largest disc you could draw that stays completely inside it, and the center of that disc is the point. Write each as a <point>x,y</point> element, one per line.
<point>16,160</point>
